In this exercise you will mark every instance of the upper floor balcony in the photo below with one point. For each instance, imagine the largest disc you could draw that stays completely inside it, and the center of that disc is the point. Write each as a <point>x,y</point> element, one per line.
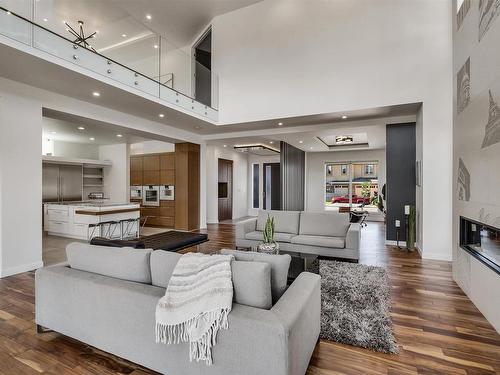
<point>97,37</point>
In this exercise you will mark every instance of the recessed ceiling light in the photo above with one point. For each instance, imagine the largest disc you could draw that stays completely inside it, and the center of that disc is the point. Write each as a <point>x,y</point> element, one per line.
<point>311,147</point>
<point>119,135</point>
<point>344,117</point>
<point>96,94</point>
<point>81,128</point>
<point>161,115</point>
<point>92,138</point>
<point>271,142</point>
<point>45,20</point>
<point>124,35</point>
<point>225,145</point>
<point>148,16</point>
<point>301,141</point>
<point>280,123</point>
<point>155,46</point>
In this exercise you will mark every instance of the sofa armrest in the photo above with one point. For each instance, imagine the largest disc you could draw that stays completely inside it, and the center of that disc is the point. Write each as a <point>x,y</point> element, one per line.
<point>353,236</point>
<point>299,310</point>
<point>245,227</point>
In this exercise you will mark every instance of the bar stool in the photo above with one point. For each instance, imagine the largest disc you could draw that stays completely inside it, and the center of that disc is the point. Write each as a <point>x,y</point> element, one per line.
<point>129,226</point>
<point>108,229</point>
<point>91,231</point>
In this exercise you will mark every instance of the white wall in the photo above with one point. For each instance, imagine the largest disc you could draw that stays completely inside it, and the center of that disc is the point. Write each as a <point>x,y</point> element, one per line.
<point>21,184</point>
<point>281,58</point>
<point>240,175</point>
<point>482,203</point>
<point>116,177</point>
<point>315,172</point>
<point>75,150</point>
<point>255,159</point>
<point>151,147</point>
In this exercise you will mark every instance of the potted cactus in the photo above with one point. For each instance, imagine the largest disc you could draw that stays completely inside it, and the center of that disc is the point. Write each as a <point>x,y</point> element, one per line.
<point>268,245</point>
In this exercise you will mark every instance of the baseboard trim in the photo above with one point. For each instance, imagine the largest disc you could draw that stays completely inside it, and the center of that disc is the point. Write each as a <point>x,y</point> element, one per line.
<point>394,243</point>
<point>435,256</point>
<point>20,269</point>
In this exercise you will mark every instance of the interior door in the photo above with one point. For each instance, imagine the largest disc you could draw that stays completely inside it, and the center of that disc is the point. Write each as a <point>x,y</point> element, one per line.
<point>272,186</point>
<point>225,189</point>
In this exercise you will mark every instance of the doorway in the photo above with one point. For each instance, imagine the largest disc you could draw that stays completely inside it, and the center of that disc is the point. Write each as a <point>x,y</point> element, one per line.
<point>203,69</point>
<point>225,189</point>
<point>272,186</point>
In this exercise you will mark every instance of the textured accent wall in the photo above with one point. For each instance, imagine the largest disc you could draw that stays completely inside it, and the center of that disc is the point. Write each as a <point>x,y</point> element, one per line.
<point>293,163</point>
<point>400,185</point>
<point>476,142</point>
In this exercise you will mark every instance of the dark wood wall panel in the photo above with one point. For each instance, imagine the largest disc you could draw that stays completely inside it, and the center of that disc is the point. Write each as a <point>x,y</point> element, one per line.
<point>292,177</point>
<point>187,186</point>
<point>400,165</point>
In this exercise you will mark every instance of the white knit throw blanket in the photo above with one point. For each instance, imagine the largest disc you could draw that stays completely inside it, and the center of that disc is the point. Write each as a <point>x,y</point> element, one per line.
<point>196,304</point>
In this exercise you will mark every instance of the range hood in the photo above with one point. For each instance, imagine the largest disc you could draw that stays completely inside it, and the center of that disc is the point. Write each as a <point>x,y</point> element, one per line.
<point>257,149</point>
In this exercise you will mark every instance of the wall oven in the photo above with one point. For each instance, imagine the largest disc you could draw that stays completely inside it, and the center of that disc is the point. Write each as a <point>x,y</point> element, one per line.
<point>150,195</point>
<point>136,192</point>
<point>167,193</point>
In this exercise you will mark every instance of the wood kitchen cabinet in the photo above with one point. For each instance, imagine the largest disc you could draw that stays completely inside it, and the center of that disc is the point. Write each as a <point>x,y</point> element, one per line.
<point>155,169</point>
<point>167,161</point>
<point>151,163</point>
<point>151,177</point>
<point>136,170</point>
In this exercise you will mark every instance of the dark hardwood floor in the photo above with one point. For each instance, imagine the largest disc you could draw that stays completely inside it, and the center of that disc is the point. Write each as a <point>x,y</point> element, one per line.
<point>438,329</point>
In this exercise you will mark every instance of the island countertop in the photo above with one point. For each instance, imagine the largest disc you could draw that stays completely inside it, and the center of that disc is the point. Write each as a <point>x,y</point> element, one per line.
<point>72,219</point>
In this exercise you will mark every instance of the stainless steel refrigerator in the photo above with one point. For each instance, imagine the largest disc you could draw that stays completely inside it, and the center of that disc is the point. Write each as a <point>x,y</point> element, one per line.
<point>62,183</point>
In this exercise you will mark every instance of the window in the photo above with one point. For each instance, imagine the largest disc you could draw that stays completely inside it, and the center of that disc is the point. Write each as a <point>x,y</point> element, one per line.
<point>351,185</point>
<point>255,187</point>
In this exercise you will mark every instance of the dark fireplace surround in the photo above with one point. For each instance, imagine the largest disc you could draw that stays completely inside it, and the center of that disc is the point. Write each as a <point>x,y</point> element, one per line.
<point>482,241</point>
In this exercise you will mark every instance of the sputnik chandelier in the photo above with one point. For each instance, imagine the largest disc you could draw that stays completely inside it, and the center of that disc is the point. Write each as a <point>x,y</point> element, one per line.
<point>81,39</point>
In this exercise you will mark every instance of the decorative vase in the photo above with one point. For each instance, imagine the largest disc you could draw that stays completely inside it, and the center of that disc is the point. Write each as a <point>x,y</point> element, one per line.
<point>268,248</point>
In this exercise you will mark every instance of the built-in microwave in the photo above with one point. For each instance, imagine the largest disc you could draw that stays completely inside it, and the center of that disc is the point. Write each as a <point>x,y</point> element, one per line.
<point>167,192</point>
<point>136,192</point>
<point>151,195</point>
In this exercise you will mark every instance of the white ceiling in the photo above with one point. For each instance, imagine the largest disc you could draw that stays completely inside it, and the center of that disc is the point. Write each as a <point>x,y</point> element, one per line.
<point>179,21</point>
<point>371,131</point>
<point>64,127</point>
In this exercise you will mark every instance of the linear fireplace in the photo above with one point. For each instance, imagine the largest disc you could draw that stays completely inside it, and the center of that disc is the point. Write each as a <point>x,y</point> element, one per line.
<point>482,241</point>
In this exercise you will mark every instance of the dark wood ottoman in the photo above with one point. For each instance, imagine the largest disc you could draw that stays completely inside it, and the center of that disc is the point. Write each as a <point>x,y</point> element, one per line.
<point>169,241</point>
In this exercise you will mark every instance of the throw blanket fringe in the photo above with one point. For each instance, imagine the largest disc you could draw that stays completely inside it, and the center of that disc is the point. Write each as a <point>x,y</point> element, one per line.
<point>184,314</point>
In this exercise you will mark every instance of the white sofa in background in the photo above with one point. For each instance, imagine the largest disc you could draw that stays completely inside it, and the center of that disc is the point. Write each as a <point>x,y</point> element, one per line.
<point>328,234</point>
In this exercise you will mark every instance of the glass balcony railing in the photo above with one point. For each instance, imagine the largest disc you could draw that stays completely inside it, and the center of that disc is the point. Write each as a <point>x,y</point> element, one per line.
<point>104,39</point>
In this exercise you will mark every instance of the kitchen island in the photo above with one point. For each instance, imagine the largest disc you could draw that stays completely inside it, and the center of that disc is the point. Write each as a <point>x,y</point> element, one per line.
<point>87,219</point>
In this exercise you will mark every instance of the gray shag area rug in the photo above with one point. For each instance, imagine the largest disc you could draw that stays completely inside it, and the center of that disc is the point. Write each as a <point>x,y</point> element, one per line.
<point>355,303</point>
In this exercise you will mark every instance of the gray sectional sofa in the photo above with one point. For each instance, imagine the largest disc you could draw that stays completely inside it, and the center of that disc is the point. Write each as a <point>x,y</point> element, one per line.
<point>328,234</point>
<point>106,297</point>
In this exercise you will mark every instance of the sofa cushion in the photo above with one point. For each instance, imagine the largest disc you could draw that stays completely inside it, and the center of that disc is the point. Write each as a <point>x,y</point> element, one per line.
<point>252,284</point>
<point>284,221</point>
<point>279,268</point>
<point>123,263</point>
<point>278,236</point>
<point>162,266</point>
<point>251,280</point>
<point>321,241</point>
<point>330,224</point>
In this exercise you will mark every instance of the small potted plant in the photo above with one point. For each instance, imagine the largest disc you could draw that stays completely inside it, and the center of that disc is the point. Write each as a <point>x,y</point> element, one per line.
<point>268,245</point>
